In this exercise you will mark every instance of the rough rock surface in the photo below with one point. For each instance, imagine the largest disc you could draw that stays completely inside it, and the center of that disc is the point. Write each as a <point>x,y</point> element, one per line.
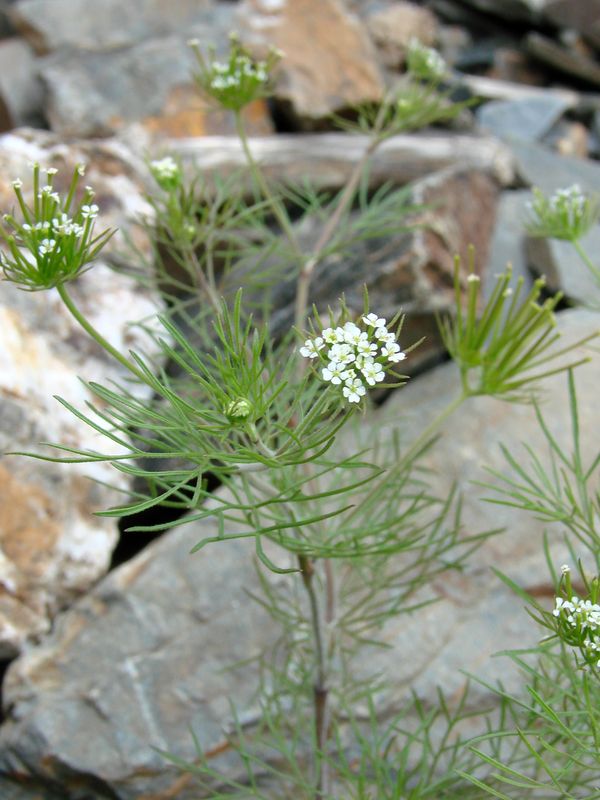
<point>411,271</point>
<point>141,658</point>
<point>105,25</point>
<point>393,27</point>
<point>320,74</point>
<point>52,549</point>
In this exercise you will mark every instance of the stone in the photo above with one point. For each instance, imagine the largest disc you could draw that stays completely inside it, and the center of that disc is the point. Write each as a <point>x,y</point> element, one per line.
<point>98,94</point>
<point>563,58</point>
<point>518,10</point>
<point>569,138</point>
<point>105,25</point>
<point>469,445</point>
<point>527,119</point>
<point>563,267</point>
<point>393,27</point>
<point>325,161</point>
<point>539,166</point>
<point>508,240</point>
<point>321,73</point>
<point>20,84</point>
<point>143,658</point>
<point>511,64</point>
<point>409,271</point>
<point>495,89</point>
<point>52,548</point>
<point>579,15</point>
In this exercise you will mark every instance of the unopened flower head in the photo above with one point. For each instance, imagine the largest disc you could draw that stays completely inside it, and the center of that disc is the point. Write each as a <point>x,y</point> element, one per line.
<point>236,81</point>
<point>238,410</point>
<point>567,214</point>
<point>54,240</point>
<point>166,172</point>
<point>354,357</point>
<point>424,62</point>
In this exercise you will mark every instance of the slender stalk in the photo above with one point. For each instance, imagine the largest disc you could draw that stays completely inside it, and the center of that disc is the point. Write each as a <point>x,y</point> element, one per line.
<point>586,260</point>
<point>257,174</point>
<point>320,690</point>
<point>205,285</point>
<point>89,328</point>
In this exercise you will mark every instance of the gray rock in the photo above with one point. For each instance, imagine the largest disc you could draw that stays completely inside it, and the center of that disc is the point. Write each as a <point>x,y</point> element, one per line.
<point>541,167</point>
<point>528,119</point>
<point>20,84</point>
<point>393,27</point>
<point>508,240</point>
<point>326,160</point>
<point>105,25</point>
<point>564,269</point>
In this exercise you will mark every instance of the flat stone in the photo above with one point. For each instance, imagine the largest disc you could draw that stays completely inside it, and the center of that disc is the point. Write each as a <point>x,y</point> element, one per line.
<point>539,166</point>
<point>563,268</point>
<point>105,25</point>
<point>393,27</point>
<point>495,89</point>
<point>579,15</point>
<point>508,240</point>
<point>518,10</point>
<point>20,84</point>
<point>563,59</point>
<point>527,119</point>
<point>321,73</point>
<point>569,138</point>
<point>326,160</point>
<point>470,442</point>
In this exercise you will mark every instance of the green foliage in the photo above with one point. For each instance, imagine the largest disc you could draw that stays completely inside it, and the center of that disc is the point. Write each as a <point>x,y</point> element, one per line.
<point>505,348</point>
<point>54,242</point>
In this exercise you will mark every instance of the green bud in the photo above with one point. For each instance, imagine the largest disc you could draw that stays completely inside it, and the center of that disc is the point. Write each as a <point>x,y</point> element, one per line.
<point>238,410</point>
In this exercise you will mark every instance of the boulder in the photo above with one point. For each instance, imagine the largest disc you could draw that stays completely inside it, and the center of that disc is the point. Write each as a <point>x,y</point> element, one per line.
<point>394,26</point>
<point>321,74</point>
<point>105,25</point>
<point>20,84</point>
<point>52,548</point>
<point>527,119</point>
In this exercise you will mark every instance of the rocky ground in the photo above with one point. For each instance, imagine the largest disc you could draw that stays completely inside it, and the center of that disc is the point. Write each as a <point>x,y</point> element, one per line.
<point>103,665</point>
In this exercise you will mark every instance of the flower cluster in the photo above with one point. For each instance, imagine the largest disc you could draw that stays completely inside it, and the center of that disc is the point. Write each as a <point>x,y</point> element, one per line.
<point>425,62</point>
<point>55,239</point>
<point>351,357</point>
<point>567,214</point>
<point>578,620</point>
<point>237,81</point>
<point>166,172</point>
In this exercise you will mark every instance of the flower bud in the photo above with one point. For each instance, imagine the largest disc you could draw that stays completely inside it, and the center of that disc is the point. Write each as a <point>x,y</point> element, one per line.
<point>238,410</point>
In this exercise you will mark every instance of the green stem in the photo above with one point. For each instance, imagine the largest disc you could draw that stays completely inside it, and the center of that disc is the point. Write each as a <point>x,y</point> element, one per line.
<point>320,690</point>
<point>67,300</point>
<point>586,260</point>
<point>259,179</point>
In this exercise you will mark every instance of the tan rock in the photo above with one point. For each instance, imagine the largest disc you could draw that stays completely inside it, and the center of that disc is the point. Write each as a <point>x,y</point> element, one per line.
<point>329,62</point>
<point>392,29</point>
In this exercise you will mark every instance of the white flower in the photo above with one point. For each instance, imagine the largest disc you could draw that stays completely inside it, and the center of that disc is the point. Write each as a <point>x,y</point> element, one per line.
<point>17,183</point>
<point>383,335</point>
<point>373,373</point>
<point>89,211</point>
<point>353,334</point>
<point>332,336</point>
<point>335,373</point>
<point>353,390</point>
<point>342,353</point>
<point>365,348</point>
<point>80,169</point>
<point>374,321</point>
<point>46,246</point>
<point>311,347</point>
<point>51,171</point>
<point>565,568</point>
